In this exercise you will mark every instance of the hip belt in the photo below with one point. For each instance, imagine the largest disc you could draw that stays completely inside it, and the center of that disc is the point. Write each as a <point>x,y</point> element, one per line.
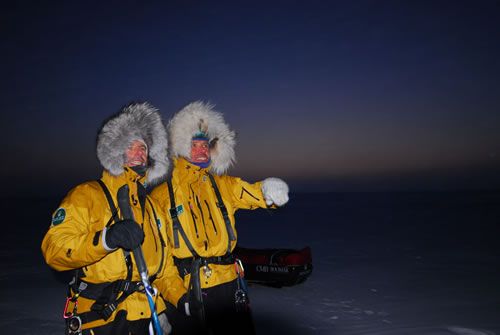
<point>187,265</point>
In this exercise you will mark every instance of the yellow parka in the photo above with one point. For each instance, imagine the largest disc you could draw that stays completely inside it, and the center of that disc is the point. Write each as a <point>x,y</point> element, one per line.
<point>74,241</point>
<point>200,217</point>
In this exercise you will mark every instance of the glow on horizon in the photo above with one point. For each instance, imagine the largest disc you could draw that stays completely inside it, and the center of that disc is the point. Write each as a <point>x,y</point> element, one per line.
<point>330,90</point>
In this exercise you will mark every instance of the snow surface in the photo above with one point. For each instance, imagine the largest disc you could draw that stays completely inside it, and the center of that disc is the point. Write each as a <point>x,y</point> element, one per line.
<point>384,263</point>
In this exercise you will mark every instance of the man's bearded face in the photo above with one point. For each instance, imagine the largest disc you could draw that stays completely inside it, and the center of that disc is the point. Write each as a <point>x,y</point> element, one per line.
<point>200,151</point>
<point>136,154</point>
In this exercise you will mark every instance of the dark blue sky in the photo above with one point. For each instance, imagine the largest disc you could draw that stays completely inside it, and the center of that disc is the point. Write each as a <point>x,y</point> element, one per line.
<point>330,95</point>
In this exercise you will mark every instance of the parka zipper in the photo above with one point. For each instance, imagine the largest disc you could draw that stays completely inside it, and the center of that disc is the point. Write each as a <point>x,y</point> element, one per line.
<point>210,216</point>
<point>203,220</point>
<point>194,219</point>
<point>152,231</point>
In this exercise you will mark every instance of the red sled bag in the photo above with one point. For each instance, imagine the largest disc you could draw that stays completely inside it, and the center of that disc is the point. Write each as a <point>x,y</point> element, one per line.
<point>275,267</point>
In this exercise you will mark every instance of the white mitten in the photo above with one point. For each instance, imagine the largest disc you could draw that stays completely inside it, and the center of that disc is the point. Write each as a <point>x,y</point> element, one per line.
<point>275,191</point>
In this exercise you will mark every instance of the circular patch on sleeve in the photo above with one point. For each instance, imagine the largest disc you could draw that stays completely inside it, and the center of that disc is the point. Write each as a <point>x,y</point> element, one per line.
<point>59,216</point>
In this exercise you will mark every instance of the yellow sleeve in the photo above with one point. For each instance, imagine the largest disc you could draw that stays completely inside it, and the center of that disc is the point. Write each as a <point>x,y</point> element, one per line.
<point>170,284</point>
<point>244,194</point>
<point>74,237</point>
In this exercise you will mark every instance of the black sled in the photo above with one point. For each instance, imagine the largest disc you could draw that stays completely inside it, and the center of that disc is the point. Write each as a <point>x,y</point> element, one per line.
<point>275,267</point>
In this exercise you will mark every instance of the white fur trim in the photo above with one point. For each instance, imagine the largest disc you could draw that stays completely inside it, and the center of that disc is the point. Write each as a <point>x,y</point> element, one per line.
<point>135,121</point>
<point>199,116</point>
<point>275,191</point>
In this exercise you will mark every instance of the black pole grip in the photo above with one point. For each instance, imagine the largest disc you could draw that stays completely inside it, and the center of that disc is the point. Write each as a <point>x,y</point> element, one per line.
<point>123,202</point>
<point>126,210</point>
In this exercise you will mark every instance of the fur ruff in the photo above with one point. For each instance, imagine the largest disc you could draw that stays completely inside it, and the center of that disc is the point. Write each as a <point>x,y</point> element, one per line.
<point>196,117</point>
<point>135,121</point>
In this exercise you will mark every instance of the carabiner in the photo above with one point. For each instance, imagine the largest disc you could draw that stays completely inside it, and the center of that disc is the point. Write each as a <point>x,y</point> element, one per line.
<point>239,268</point>
<point>73,299</point>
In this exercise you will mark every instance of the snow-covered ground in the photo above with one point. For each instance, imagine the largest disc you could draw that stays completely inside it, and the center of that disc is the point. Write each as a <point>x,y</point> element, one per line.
<point>384,263</point>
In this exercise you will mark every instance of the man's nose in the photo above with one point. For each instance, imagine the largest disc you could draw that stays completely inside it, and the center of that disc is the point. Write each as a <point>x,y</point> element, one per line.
<point>139,153</point>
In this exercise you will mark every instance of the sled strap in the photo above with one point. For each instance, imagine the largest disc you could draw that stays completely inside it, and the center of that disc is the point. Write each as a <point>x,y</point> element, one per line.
<point>223,209</point>
<point>176,224</point>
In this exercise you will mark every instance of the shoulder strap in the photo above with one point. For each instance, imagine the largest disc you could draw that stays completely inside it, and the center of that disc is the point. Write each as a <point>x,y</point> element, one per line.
<point>157,221</point>
<point>153,277</point>
<point>177,227</point>
<point>114,210</point>
<point>223,209</point>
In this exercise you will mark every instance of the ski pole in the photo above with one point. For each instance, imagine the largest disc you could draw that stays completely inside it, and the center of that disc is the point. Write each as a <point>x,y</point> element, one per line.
<point>126,210</point>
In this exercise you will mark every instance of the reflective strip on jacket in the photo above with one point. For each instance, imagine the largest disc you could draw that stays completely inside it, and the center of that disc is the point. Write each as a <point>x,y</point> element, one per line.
<point>74,241</point>
<point>200,217</point>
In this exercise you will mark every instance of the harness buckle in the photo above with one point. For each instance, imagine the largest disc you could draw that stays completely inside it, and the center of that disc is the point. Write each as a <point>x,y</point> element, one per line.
<point>173,213</point>
<point>207,271</point>
<point>107,311</point>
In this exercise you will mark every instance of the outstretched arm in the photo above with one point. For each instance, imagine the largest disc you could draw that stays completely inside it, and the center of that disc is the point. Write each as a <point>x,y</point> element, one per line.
<point>269,192</point>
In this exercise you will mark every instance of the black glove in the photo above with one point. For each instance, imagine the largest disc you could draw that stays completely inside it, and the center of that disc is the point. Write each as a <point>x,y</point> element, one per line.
<point>183,305</point>
<point>196,307</point>
<point>189,306</point>
<point>126,234</point>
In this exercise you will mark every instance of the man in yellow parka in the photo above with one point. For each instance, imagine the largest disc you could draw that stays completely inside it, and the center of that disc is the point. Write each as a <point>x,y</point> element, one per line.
<point>201,201</point>
<point>88,232</point>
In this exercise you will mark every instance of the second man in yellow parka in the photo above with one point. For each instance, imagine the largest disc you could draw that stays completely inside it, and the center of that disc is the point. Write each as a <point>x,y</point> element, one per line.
<point>201,201</point>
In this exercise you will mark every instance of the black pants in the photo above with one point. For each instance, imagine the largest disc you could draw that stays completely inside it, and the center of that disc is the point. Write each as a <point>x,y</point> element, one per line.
<point>222,317</point>
<point>121,326</point>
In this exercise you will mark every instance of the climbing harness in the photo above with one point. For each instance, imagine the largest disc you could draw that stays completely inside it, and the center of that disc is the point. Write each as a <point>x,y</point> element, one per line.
<point>108,295</point>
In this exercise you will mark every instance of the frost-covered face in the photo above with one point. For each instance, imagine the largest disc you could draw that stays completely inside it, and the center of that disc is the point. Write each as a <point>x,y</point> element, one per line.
<point>200,151</point>
<point>136,154</point>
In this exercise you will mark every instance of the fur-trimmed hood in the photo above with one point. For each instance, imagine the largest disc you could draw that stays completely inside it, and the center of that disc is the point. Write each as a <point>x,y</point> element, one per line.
<point>135,121</point>
<point>201,117</point>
